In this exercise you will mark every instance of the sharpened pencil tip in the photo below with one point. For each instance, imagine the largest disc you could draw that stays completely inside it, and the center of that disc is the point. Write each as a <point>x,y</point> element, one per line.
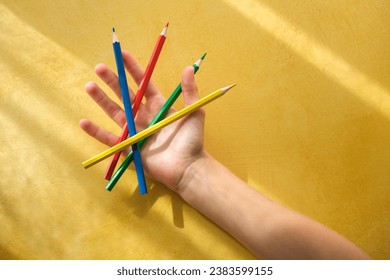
<point>225,89</point>
<point>164,31</point>
<point>200,60</point>
<point>114,36</point>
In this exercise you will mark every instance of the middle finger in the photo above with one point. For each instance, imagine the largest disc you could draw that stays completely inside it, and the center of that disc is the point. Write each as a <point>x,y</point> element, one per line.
<point>111,79</point>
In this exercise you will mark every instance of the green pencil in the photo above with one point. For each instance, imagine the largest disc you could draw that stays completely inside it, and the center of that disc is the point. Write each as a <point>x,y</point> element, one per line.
<point>160,115</point>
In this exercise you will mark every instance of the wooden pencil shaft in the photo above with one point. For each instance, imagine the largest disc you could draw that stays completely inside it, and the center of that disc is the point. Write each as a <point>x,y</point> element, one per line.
<point>128,112</point>
<point>148,73</point>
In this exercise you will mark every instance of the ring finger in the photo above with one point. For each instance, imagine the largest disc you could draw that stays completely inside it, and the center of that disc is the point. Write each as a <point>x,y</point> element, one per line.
<point>112,109</point>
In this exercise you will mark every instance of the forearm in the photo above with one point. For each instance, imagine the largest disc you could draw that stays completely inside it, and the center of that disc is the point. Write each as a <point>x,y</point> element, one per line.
<point>266,228</point>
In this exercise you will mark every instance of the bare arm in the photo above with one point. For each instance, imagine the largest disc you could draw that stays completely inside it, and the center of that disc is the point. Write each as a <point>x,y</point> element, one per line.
<point>266,228</point>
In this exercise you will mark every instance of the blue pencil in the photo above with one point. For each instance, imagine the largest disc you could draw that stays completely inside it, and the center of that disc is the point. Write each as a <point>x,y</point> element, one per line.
<point>128,110</point>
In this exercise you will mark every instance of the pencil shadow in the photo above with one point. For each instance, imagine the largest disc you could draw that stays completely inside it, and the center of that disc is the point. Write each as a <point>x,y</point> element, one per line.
<point>142,204</point>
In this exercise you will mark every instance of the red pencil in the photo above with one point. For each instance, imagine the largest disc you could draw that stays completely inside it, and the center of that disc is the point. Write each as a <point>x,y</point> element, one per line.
<point>139,95</point>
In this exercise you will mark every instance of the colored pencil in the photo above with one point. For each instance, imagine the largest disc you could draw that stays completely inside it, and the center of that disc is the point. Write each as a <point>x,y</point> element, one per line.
<point>138,97</point>
<point>128,111</point>
<point>154,128</point>
<point>161,114</point>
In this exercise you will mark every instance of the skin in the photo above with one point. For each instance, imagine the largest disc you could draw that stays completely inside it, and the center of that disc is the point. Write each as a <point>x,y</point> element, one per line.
<point>175,156</point>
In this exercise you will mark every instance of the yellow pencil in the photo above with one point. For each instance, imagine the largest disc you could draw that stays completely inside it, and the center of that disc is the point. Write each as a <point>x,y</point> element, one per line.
<point>153,129</point>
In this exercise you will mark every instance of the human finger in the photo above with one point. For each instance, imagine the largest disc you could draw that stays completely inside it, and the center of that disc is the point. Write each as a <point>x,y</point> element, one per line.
<point>189,87</point>
<point>190,95</point>
<point>137,73</point>
<point>98,133</point>
<point>111,79</point>
<point>111,108</point>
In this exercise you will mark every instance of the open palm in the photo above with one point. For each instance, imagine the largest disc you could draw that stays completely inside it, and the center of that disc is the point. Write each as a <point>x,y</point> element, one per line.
<point>167,154</point>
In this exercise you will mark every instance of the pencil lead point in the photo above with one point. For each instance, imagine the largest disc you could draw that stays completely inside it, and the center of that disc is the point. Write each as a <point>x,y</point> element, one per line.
<point>114,36</point>
<point>200,60</point>
<point>225,89</point>
<point>164,31</point>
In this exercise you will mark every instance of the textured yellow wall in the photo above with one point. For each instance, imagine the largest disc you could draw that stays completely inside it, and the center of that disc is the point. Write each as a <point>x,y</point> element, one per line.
<point>308,123</point>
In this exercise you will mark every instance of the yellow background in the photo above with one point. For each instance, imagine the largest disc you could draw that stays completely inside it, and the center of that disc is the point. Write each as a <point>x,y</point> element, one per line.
<point>308,124</point>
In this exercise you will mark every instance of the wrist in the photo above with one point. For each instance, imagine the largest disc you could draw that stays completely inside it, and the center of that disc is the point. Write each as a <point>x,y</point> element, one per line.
<point>194,177</point>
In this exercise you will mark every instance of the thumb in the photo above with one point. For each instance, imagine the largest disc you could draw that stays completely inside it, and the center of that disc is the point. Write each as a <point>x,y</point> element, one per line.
<point>189,87</point>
